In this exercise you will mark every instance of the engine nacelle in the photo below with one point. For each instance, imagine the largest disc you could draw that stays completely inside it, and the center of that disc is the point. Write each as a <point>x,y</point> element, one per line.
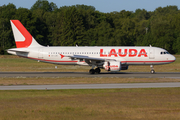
<point>112,66</point>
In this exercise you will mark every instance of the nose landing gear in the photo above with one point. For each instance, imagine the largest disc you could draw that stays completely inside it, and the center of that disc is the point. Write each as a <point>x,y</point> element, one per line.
<point>152,69</point>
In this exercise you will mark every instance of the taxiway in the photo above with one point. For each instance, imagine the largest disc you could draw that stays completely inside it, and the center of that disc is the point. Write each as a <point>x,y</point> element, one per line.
<point>86,74</point>
<point>91,86</point>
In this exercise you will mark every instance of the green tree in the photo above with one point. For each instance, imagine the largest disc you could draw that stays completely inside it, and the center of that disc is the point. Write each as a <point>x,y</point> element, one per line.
<point>44,5</point>
<point>105,33</point>
<point>85,7</point>
<point>6,37</point>
<point>71,29</point>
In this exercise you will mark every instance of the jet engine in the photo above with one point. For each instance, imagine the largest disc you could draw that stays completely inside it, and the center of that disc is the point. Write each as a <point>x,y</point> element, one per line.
<point>112,66</point>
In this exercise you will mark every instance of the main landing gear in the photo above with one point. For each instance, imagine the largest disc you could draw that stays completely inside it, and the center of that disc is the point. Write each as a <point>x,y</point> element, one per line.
<point>93,71</point>
<point>152,69</point>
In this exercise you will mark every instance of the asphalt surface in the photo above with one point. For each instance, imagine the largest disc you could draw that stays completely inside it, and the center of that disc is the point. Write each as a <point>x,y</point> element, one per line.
<point>90,86</point>
<point>86,74</point>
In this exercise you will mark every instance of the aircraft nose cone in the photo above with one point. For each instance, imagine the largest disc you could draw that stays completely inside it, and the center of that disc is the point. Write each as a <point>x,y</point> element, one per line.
<point>173,58</point>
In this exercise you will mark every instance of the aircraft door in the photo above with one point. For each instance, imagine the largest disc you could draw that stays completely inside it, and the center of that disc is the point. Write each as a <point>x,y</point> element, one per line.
<point>151,53</point>
<point>40,54</point>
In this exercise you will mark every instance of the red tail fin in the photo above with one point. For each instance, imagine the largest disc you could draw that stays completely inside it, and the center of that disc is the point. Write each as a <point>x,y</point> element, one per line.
<point>22,37</point>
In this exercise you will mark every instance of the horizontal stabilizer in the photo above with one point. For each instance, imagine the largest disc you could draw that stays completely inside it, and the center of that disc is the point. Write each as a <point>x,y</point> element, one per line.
<point>24,50</point>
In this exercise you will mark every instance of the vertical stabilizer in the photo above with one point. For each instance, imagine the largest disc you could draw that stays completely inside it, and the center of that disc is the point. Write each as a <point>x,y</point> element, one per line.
<point>22,37</point>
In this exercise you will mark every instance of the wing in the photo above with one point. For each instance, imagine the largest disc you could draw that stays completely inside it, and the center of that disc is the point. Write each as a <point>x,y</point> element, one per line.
<point>88,58</point>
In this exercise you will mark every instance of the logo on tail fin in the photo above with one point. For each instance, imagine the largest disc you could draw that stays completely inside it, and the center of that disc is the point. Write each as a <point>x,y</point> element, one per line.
<point>22,37</point>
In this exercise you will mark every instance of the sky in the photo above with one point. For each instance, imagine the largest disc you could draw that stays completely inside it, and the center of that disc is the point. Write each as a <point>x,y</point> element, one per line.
<point>105,6</point>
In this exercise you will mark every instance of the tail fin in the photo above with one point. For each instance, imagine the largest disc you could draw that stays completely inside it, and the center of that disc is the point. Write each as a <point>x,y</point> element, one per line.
<point>22,37</point>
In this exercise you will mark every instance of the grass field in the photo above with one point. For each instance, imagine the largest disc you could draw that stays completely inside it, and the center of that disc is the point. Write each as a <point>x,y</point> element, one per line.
<point>120,104</point>
<point>80,80</point>
<point>130,104</point>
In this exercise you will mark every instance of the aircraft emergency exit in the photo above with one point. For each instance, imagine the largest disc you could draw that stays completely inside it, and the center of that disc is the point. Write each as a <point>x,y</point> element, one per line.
<point>109,58</point>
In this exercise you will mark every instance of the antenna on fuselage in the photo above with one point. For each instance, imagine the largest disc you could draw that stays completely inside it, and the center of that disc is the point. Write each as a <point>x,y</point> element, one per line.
<point>76,45</point>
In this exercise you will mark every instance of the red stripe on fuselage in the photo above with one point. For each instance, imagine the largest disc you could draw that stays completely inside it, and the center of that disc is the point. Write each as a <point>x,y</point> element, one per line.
<point>49,60</point>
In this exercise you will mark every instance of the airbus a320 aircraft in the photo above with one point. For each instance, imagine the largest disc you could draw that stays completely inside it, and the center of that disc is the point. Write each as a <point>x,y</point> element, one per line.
<point>109,58</point>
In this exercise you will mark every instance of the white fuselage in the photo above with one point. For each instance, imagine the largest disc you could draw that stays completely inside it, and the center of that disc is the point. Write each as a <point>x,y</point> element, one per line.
<point>126,55</point>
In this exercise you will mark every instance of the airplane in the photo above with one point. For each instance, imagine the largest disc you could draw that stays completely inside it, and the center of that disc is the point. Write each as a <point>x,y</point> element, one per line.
<point>110,58</point>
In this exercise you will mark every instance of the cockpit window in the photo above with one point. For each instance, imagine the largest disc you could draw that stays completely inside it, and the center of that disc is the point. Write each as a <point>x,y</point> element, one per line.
<point>165,52</point>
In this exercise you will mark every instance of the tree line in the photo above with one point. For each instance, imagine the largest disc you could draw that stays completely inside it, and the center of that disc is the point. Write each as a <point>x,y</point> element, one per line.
<point>85,26</point>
